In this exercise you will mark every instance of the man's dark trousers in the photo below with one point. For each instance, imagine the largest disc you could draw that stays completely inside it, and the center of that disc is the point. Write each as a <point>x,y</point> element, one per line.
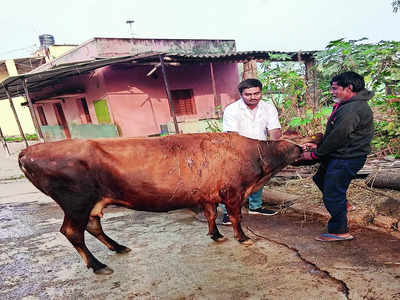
<point>333,179</point>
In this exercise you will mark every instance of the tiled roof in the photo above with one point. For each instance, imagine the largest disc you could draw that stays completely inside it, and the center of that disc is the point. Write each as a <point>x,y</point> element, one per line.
<point>241,56</point>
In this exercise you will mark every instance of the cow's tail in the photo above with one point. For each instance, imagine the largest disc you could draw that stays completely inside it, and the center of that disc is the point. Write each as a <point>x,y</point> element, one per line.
<point>21,156</point>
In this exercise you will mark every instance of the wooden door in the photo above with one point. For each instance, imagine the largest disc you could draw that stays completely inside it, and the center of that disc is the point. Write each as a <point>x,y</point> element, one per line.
<point>61,119</point>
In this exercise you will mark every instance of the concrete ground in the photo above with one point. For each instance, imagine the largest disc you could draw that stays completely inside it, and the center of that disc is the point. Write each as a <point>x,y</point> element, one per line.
<point>173,258</point>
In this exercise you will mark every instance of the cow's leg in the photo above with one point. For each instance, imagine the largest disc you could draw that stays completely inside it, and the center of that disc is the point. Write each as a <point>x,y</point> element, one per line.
<point>235,215</point>
<point>210,212</point>
<point>74,229</point>
<point>95,229</point>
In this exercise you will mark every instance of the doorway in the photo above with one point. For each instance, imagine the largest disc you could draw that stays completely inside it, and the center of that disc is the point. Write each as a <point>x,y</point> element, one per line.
<point>61,119</point>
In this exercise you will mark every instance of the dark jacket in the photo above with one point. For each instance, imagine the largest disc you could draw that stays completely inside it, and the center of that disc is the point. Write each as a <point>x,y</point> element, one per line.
<point>349,130</point>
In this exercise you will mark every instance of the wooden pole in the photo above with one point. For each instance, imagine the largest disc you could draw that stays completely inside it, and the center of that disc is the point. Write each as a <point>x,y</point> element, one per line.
<point>166,85</point>
<point>310,78</point>
<point>249,69</point>
<point>35,121</point>
<point>16,116</point>
<point>217,101</point>
<point>3,141</point>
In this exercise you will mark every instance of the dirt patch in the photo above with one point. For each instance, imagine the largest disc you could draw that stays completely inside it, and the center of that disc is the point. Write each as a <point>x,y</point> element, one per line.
<point>368,203</point>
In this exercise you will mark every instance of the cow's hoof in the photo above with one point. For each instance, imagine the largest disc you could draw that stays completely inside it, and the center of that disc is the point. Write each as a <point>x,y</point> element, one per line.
<point>221,239</point>
<point>123,250</point>
<point>247,242</point>
<point>104,271</point>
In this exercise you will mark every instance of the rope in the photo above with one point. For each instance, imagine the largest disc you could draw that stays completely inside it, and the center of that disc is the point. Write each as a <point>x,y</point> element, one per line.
<point>290,141</point>
<point>259,153</point>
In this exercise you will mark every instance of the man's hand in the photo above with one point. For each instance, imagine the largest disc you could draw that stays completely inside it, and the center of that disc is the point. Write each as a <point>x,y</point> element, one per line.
<point>306,156</point>
<point>309,146</point>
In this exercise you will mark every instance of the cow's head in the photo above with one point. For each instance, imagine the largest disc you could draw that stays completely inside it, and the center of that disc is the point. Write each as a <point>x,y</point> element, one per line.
<point>276,155</point>
<point>299,140</point>
<point>294,137</point>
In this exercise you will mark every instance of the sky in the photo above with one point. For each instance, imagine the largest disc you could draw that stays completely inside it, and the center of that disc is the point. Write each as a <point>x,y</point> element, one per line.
<point>280,25</point>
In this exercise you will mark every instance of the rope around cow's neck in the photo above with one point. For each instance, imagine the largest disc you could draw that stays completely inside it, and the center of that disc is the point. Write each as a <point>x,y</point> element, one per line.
<point>290,141</point>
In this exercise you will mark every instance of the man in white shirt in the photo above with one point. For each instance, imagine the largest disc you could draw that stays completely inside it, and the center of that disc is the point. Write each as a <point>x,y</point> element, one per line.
<point>253,118</point>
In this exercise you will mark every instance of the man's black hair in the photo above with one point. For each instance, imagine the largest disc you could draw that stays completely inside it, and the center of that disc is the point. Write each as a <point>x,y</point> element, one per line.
<point>249,83</point>
<point>350,78</point>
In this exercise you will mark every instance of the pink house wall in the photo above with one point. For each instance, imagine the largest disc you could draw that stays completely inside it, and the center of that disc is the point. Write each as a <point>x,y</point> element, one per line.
<point>68,104</point>
<point>138,104</point>
<point>70,109</point>
<point>49,113</point>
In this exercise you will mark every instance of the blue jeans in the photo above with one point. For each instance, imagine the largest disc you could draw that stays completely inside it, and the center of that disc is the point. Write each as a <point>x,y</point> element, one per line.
<point>333,179</point>
<point>255,201</point>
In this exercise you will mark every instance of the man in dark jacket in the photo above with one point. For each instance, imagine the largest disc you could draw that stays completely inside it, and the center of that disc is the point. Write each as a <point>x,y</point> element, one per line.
<point>344,149</point>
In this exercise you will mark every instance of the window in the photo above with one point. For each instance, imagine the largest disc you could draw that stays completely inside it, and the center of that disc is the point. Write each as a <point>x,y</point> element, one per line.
<point>42,116</point>
<point>183,102</point>
<point>83,107</point>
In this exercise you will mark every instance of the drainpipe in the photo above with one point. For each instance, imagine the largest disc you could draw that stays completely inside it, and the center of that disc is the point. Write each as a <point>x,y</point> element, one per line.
<point>35,121</point>
<point>16,116</point>
<point>166,85</point>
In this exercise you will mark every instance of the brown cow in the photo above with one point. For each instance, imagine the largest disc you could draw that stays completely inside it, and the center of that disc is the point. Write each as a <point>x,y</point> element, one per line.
<point>152,174</point>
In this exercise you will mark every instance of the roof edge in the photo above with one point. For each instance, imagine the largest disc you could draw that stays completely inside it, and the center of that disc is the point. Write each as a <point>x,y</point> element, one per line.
<point>166,39</point>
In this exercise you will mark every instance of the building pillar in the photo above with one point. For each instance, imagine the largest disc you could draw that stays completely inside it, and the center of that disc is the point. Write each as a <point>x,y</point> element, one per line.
<point>311,83</point>
<point>11,68</point>
<point>168,91</point>
<point>249,69</point>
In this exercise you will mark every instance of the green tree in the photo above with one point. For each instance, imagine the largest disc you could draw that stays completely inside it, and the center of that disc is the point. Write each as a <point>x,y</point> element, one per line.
<point>379,63</point>
<point>284,85</point>
<point>396,5</point>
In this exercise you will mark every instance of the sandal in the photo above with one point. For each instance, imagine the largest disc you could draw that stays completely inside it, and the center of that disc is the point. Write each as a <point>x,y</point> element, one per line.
<point>330,237</point>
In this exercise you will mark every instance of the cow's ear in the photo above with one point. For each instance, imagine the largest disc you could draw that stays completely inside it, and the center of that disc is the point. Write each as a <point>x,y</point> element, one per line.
<point>291,133</point>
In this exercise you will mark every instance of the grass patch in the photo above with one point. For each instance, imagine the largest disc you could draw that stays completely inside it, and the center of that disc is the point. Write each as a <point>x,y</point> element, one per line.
<point>29,137</point>
<point>12,178</point>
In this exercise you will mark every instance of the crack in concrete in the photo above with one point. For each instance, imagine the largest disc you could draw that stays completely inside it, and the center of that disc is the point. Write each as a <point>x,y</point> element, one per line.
<point>315,270</point>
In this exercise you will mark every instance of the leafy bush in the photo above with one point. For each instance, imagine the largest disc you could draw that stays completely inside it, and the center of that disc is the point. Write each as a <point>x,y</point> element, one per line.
<point>379,63</point>
<point>387,138</point>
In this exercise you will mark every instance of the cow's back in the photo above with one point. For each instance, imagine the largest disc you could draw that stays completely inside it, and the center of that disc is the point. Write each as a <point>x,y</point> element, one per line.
<point>174,171</point>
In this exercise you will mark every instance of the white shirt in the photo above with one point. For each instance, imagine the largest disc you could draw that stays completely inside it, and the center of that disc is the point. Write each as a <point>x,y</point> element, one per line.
<point>251,123</point>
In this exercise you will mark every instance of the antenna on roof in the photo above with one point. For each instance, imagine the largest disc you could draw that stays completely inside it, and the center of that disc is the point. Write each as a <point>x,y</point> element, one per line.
<point>130,22</point>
